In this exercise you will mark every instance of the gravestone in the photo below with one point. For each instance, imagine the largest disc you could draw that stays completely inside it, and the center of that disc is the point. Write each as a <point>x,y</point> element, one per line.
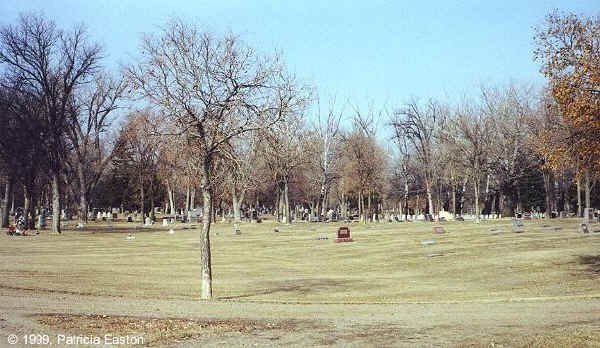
<point>518,226</point>
<point>42,220</point>
<point>114,216</point>
<point>562,214</point>
<point>438,229</point>
<point>148,221</point>
<point>129,218</point>
<point>584,228</point>
<point>518,215</point>
<point>343,235</point>
<point>165,222</point>
<point>236,229</point>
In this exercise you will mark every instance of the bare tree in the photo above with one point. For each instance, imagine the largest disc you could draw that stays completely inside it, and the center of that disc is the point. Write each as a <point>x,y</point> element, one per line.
<point>242,175</point>
<point>212,90</point>
<point>87,128</point>
<point>364,162</point>
<point>52,64</point>
<point>137,148</point>
<point>468,133</point>
<point>23,157</point>
<point>510,108</point>
<point>420,125</point>
<point>328,138</point>
<point>283,147</point>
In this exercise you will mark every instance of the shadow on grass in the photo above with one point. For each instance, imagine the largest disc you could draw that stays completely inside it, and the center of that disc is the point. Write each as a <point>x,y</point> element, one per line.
<point>115,229</point>
<point>296,287</point>
<point>593,262</point>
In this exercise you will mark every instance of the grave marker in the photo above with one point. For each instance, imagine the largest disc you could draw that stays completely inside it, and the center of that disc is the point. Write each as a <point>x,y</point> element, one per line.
<point>438,229</point>
<point>343,235</point>
<point>518,226</point>
<point>584,228</point>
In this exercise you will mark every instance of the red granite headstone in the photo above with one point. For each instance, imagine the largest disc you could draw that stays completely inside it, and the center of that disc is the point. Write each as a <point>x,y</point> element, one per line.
<point>343,235</point>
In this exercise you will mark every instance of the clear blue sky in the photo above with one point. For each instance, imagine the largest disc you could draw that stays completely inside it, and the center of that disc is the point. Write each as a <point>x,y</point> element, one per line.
<point>379,51</point>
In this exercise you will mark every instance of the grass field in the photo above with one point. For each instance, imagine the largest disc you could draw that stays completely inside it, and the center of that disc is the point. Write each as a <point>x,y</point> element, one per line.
<point>481,270</point>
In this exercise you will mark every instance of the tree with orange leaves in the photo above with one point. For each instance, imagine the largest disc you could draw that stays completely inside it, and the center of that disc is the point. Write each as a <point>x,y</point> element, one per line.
<point>569,48</point>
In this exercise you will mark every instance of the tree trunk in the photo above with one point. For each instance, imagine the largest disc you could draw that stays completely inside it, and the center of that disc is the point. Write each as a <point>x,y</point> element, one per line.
<point>548,190</point>
<point>286,200</point>
<point>83,203</point>
<point>152,199</point>
<point>454,200</point>
<point>588,187</point>
<point>237,204</point>
<point>26,207</point>
<point>369,210</point>
<point>477,210</point>
<point>406,200</point>
<point>324,200</point>
<point>360,208</point>
<point>193,199</point>
<point>5,200</point>
<point>142,199</point>
<point>171,199</point>
<point>55,203</point>
<point>429,197</point>
<point>418,206</point>
<point>186,206</point>
<point>579,202</point>
<point>205,256</point>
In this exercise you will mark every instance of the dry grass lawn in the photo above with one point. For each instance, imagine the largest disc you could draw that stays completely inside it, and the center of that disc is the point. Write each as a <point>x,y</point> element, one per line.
<point>293,271</point>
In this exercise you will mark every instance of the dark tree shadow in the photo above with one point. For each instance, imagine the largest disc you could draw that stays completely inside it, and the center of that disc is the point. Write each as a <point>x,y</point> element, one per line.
<point>592,261</point>
<point>296,287</point>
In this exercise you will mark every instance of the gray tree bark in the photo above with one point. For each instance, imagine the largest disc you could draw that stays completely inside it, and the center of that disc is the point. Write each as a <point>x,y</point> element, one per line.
<point>579,202</point>
<point>588,187</point>
<point>477,209</point>
<point>205,257</point>
<point>56,206</point>
<point>5,202</point>
<point>83,203</point>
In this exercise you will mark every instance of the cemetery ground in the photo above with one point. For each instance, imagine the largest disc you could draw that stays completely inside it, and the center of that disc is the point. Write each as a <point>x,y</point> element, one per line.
<point>477,285</point>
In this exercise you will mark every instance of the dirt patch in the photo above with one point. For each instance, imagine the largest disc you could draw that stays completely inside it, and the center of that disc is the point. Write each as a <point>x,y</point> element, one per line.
<point>158,331</point>
<point>592,261</point>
